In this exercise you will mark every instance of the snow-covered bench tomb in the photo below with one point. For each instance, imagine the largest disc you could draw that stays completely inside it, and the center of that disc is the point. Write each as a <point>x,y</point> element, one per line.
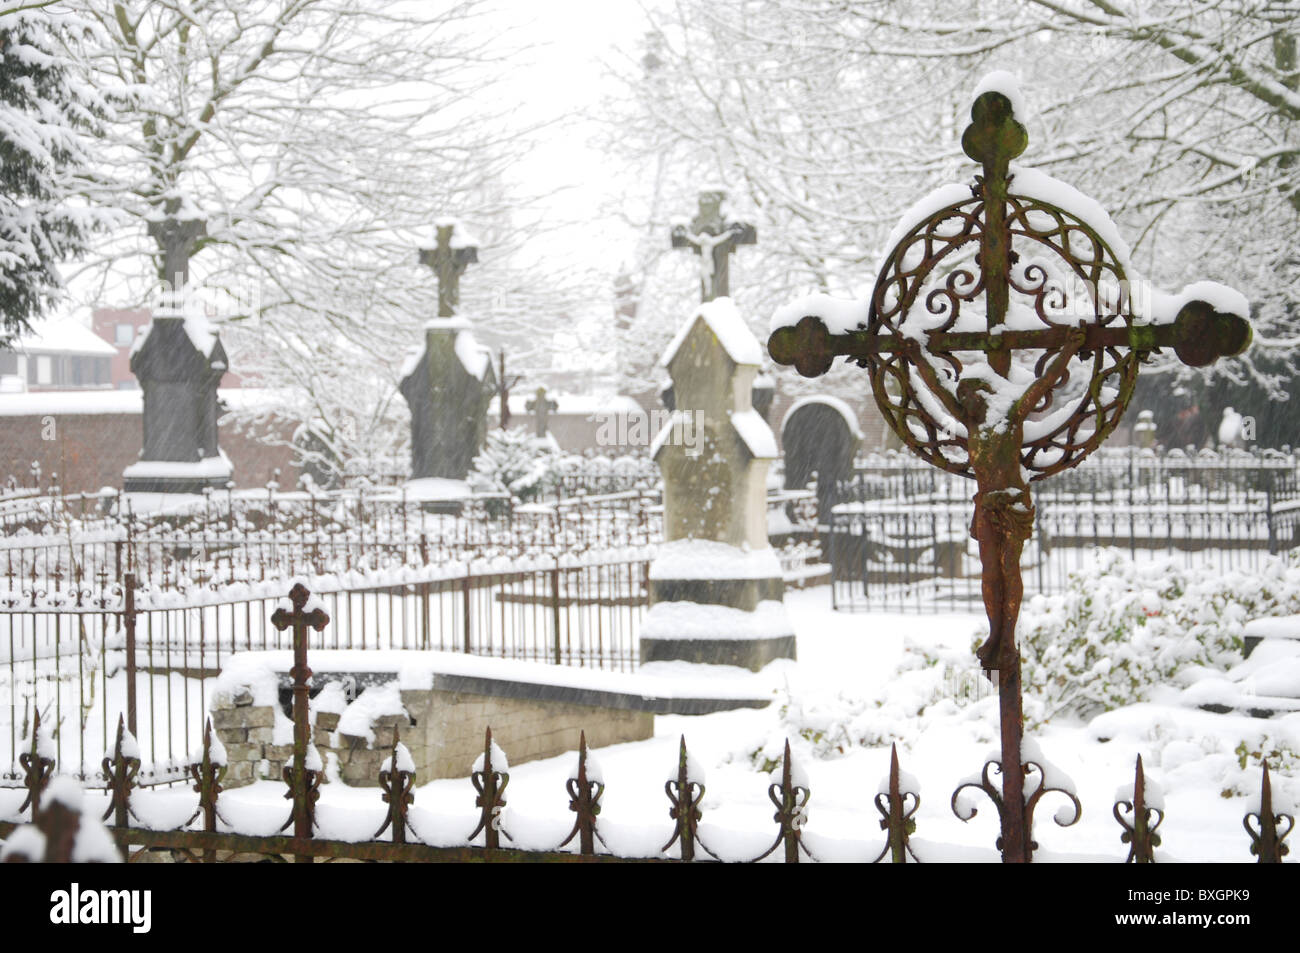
<point>441,704</point>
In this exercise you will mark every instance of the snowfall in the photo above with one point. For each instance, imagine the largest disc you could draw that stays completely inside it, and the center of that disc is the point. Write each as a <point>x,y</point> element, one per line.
<point>861,682</point>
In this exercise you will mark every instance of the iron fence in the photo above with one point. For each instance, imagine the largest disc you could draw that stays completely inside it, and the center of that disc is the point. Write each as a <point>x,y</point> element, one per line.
<point>210,837</point>
<point>899,535</point>
<point>151,652</point>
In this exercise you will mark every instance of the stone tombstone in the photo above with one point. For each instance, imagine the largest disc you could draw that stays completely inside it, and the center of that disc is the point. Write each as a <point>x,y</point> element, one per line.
<point>449,384</point>
<point>761,395</point>
<point>179,361</point>
<point>448,387</point>
<point>716,587</point>
<point>541,406</point>
<point>1144,431</point>
<point>819,437</point>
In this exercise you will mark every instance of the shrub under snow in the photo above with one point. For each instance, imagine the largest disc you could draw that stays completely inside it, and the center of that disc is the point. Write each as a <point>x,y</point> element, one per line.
<point>1122,627</point>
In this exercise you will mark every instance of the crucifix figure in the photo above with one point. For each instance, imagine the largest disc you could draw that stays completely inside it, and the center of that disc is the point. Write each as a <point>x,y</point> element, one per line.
<point>449,259</point>
<point>176,238</point>
<point>1032,393</point>
<point>714,239</point>
<point>540,406</point>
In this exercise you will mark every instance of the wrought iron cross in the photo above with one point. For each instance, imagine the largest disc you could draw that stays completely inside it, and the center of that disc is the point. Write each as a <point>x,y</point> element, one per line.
<point>1030,393</point>
<point>448,262</point>
<point>540,406</point>
<point>714,239</point>
<point>300,619</point>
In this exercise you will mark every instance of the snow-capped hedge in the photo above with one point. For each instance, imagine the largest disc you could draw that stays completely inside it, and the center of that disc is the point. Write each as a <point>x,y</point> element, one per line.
<point>1121,628</point>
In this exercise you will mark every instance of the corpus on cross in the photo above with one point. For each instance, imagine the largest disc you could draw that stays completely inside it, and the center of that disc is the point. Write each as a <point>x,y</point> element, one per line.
<point>714,239</point>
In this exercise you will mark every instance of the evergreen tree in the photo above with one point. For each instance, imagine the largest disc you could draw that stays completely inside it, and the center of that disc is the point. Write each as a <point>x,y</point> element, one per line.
<point>43,114</point>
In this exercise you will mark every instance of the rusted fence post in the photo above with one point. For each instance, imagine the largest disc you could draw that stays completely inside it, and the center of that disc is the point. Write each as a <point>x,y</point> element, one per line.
<point>128,621</point>
<point>303,779</point>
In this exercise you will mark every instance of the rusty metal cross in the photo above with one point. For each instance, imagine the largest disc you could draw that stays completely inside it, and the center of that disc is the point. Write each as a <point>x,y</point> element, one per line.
<point>540,406</point>
<point>714,239</point>
<point>300,618</point>
<point>1028,381</point>
<point>448,259</point>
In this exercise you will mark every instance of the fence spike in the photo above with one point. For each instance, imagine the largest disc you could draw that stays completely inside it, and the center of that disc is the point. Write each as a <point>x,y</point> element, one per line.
<point>120,771</point>
<point>398,785</point>
<point>208,776</point>
<point>1140,832</point>
<point>791,802</point>
<point>685,795</point>
<point>37,769</point>
<point>584,801</point>
<point>491,786</point>
<point>896,818</point>
<point>1266,843</point>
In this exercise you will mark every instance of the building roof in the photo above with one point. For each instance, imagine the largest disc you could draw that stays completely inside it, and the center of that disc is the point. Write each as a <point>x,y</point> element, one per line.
<point>63,336</point>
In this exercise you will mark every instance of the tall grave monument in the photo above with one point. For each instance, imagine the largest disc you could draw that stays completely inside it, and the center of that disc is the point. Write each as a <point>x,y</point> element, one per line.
<point>716,587</point>
<point>714,240</point>
<point>448,384</point>
<point>178,361</point>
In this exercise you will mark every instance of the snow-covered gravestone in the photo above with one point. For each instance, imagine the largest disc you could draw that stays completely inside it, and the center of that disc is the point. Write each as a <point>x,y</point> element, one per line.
<point>716,588</point>
<point>448,384</point>
<point>179,361</point>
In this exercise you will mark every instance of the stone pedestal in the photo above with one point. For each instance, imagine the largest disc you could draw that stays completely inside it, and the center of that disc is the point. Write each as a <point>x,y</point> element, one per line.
<point>179,362</point>
<point>448,386</point>
<point>716,588</point>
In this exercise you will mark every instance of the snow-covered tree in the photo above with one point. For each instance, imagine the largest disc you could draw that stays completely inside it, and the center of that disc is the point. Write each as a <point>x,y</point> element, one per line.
<point>317,142</point>
<point>831,118</point>
<point>45,114</point>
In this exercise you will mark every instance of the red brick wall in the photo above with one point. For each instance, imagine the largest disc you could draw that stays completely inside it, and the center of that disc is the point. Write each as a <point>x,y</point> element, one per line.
<point>90,451</point>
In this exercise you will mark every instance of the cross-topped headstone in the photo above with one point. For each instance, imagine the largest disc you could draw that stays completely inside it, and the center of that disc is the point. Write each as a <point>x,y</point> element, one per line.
<point>714,239</point>
<point>1032,393</point>
<point>300,618</point>
<point>179,364</point>
<point>540,406</point>
<point>714,453</point>
<point>449,259</point>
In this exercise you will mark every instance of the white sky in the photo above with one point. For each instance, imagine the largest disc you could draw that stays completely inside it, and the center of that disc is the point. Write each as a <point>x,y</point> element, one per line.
<point>563,76</point>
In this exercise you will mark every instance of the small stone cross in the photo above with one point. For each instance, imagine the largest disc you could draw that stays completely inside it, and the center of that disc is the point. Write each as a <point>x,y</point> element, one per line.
<point>541,406</point>
<point>448,262</point>
<point>713,239</point>
<point>175,239</point>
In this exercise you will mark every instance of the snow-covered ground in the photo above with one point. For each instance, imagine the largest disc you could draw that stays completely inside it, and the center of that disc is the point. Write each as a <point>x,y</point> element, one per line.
<point>878,678</point>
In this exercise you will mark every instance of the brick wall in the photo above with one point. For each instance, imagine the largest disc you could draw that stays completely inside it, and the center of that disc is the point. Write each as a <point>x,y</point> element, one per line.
<point>89,451</point>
